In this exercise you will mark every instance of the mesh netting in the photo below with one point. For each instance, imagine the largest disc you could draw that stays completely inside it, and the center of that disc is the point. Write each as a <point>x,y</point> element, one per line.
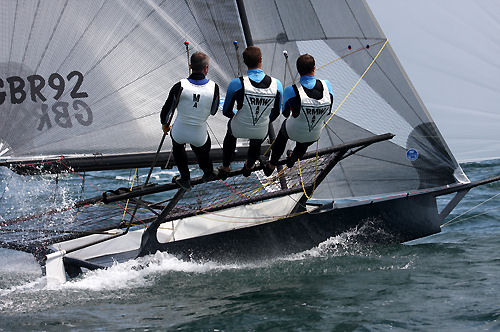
<point>33,231</point>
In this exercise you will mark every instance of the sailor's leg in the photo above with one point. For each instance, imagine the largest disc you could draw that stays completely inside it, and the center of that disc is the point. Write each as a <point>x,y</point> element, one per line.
<point>180,156</point>
<point>299,151</point>
<point>228,147</point>
<point>203,156</point>
<point>253,152</point>
<point>279,145</point>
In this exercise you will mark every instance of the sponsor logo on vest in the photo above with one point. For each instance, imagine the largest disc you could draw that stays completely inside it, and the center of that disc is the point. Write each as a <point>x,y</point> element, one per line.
<point>258,105</point>
<point>314,115</point>
<point>196,99</point>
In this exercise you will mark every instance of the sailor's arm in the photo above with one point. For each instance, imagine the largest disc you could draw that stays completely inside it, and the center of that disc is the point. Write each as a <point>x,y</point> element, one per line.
<point>290,103</point>
<point>332,95</point>
<point>215,101</point>
<point>234,86</point>
<point>169,106</point>
<point>275,112</point>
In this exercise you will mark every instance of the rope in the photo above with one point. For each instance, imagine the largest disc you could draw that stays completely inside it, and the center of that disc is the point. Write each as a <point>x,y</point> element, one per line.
<point>359,80</point>
<point>131,186</point>
<point>450,222</point>
<point>263,219</point>
<point>315,174</point>
<point>355,85</point>
<point>213,134</point>
<point>95,187</point>
<point>351,53</point>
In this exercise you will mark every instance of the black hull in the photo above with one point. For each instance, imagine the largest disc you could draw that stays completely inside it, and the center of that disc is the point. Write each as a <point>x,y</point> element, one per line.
<point>401,219</point>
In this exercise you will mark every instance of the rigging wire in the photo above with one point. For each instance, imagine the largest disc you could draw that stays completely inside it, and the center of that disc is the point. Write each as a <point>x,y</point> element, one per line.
<point>131,186</point>
<point>315,174</point>
<point>355,85</point>
<point>287,64</point>
<point>450,222</point>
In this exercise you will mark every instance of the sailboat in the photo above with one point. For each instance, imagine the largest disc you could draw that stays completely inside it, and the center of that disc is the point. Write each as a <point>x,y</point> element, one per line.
<point>81,87</point>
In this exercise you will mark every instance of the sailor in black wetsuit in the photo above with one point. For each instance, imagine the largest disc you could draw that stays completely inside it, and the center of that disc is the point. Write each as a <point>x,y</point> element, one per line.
<point>309,102</point>
<point>195,98</point>
<point>258,101</point>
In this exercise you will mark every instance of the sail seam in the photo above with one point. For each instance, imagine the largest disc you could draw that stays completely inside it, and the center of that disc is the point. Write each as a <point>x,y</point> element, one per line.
<point>82,35</point>
<point>330,131</point>
<point>269,41</point>
<point>317,17</point>
<point>201,30</point>
<point>355,19</point>
<point>281,21</point>
<point>31,31</point>
<point>218,33</point>
<point>12,37</point>
<point>399,92</point>
<point>51,35</point>
<point>124,38</point>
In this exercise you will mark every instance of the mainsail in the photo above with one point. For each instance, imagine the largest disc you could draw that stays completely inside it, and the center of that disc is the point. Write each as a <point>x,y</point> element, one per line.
<point>89,78</point>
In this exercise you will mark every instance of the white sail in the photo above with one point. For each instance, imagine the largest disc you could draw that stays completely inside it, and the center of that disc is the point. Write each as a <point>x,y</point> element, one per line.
<point>102,70</point>
<point>91,78</point>
<point>449,49</point>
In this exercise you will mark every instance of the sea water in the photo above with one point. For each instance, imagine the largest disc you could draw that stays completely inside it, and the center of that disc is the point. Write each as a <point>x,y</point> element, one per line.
<point>446,282</point>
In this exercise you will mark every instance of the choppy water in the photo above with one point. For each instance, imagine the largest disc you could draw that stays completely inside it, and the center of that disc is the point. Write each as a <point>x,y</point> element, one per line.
<point>446,282</point>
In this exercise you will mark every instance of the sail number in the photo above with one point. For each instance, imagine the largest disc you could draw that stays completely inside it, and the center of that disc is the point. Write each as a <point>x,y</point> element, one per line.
<point>18,90</point>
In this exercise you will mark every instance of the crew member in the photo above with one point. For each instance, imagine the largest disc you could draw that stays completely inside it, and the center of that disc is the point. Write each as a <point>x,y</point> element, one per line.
<point>195,98</point>
<point>258,102</point>
<point>309,102</point>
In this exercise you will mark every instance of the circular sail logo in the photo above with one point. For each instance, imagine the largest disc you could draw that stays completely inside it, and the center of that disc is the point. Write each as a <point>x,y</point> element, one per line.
<point>412,155</point>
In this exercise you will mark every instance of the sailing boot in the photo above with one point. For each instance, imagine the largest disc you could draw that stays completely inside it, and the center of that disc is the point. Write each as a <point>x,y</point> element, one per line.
<point>223,172</point>
<point>290,160</point>
<point>246,171</point>
<point>210,175</point>
<point>182,181</point>
<point>268,168</point>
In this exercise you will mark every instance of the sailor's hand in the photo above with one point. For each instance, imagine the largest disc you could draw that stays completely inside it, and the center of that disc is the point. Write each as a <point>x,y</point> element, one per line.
<point>166,128</point>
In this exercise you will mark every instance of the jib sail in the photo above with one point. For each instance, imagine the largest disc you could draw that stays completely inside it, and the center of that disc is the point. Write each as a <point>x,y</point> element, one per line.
<point>345,39</point>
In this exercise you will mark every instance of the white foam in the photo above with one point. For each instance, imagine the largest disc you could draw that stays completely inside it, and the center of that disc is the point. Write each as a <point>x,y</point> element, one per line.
<point>335,245</point>
<point>141,272</point>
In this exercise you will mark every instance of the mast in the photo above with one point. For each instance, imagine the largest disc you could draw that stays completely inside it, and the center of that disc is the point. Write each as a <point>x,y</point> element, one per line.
<point>244,23</point>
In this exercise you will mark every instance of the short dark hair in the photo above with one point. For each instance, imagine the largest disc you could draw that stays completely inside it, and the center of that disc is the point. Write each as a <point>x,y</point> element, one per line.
<point>305,64</point>
<point>252,56</point>
<point>198,61</point>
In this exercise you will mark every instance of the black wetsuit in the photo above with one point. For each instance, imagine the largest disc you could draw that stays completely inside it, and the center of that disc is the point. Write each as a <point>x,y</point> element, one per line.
<point>293,106</point>
<point>179,150</point>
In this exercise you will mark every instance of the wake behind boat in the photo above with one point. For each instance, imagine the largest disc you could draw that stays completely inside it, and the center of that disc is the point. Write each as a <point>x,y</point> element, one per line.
<point>84,97</point>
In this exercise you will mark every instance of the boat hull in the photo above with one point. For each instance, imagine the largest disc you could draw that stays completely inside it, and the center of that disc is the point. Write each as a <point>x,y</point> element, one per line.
<point>389,220</point>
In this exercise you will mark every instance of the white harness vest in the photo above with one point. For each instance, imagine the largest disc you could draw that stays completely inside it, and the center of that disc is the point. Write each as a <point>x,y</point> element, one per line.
<point>252,120</point>
<point>308,125</point>
<point>195,102</point>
